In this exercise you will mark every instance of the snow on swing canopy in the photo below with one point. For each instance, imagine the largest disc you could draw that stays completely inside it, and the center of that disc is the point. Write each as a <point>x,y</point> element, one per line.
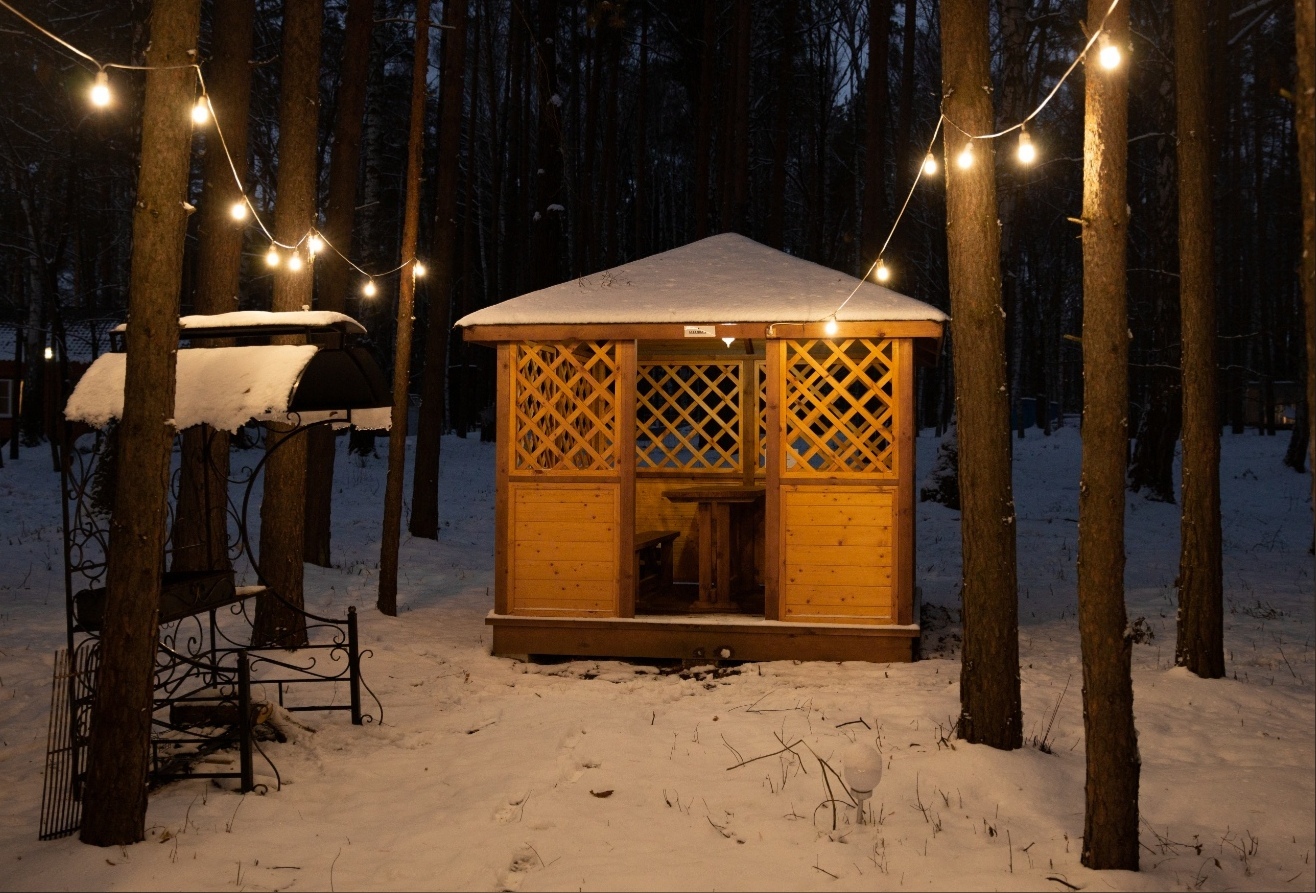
<point>722,279</point>
<point>227,387</point>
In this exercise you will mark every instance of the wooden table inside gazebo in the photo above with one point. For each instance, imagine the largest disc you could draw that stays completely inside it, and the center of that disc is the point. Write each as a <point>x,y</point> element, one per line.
<point>751,412</point>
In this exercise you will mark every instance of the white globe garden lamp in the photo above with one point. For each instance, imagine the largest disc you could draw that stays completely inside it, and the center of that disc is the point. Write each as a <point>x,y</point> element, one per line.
<point>863,773</point>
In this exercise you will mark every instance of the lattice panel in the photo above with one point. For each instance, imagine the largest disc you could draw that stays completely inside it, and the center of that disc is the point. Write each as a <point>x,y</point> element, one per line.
<point>565,407</point>
<point>688,416</point>
<point>839,407</point>
<point>761,376</point>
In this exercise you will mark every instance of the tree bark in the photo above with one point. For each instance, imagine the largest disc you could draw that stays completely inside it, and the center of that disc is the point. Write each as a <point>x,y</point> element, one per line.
<point>200,536</point>
<point>1305,112</point>
<point>282,539</point>
<point>782,127</point>
<point>990,710</point>
<point>876,213</point>
<point>1200,645</point>
<point>1110,827</point>
<point>397,435</point>
<point>704,119</point>
<point>641,160</point>
<point>546,221</point>
<point>334,273</point>
<point>443,279</point>
<point>114,798</point>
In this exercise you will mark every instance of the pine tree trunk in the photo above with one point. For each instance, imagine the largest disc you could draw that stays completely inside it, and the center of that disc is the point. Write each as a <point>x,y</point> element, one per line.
<point>424,520</point>
<point>989,678</point>
<point>1305,112</point>
<point>397,435</point>
<point>704,119</point>
<point>334,273</point>
<point>1110,828</point>
<point>737,150</point>
<point>114,798</point>
<point>782,127</point>
<point>1200,645</point>
<point>546,221</point>
<point>641,160</point>
<point>875,217</point>
<point>282,511</point>
<point>200,535</point>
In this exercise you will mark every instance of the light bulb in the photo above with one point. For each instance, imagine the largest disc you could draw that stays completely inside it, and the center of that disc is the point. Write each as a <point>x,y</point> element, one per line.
<point>728,341</point>
<point>418,269</point>
<point>881,274</point>
<point>369,288</point>
<point>831,327</point>
<point>1027,154</point>
<point>272,257</point>
<point>200,111</point>
<point>294,262</point>
<point>50,353</point>
<point>314,244</point>
<point>100,90</point>
<point>965,158</point>
<point>930,165</point>
<point>238,211</point>
<point>1109,56</point>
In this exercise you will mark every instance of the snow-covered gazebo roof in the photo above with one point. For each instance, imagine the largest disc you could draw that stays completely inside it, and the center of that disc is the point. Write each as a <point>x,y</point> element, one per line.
<point>728,281</point>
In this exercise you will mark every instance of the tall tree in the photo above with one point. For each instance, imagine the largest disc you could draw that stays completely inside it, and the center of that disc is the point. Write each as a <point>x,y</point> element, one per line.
<point>200,536</point>
<point>1110,826</point>
<point>990,711</point>
<point>1305,112</point>
<point>443,281</point>
<point>782,127</point>
<point>875,218</point>
<point>397,435</point>
<point>1200,645</point>
<point>283,506</point>
<point>704,105</point>
<point>546,220</point>
<point>334,272</point>
<point>114,799</point>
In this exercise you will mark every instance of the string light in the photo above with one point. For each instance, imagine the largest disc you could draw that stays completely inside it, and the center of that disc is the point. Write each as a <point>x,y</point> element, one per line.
<point>369,288</point>
<point>882,273</point>
<point>831,328</point>
<point>419,270</point>
<point>965,158</point>
<point>1027,153</point>
<point>272,257</point>
<point>238,211</point>
<point>100,89</point>
<point>930,164</point>
<point>1109,55</point>
<point>314,244</point>
<point>201,111</point>
<point>294,262</point>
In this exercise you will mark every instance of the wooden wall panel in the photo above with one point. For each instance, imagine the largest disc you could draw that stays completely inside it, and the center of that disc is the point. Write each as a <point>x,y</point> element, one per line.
<point>564,540</point>
<point>838,557</point>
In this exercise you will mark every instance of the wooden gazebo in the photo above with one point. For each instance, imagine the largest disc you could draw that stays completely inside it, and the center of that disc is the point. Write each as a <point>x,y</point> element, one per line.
<point>704,455</point>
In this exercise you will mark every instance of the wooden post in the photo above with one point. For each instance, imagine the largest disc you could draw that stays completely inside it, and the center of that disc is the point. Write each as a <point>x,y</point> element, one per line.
<point>624,456</point>
<point>773,547</point>
<point>505,433</point>
<point>906,513</point>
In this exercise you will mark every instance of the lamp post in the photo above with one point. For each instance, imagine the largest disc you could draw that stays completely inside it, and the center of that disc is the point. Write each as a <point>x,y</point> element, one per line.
<point>863,773</point>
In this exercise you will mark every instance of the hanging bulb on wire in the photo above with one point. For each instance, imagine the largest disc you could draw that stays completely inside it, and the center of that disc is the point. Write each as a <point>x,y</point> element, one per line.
<point>1027,153</point>
<point>1109,55</point>
<point>272,257</point>
<point>100,90</point>
<point>294,262</point>
<point>831,328</point>
<point>369,288</point>
<point>314,244</point>
<point>239,210</point>
<point>418,269</point>
<point>201,111</point>
<point>882,273</point>
<point>965,158</point>
<point>930,165</point>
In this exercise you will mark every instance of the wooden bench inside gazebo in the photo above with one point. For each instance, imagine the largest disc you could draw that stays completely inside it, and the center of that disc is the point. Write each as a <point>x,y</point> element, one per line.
<point>707,454</point>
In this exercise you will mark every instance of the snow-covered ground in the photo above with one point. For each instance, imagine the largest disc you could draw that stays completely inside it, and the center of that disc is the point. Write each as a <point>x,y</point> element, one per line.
<point>491,774</point>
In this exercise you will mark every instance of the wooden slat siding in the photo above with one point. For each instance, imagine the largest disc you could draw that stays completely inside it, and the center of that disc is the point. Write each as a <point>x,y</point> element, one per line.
<point>906,507</point>
<point>547,536</point>
<point>774,561</point>
<point>624,400</point>
<point>572,332</point>
<point>813,552</point>
<point>503,410</point>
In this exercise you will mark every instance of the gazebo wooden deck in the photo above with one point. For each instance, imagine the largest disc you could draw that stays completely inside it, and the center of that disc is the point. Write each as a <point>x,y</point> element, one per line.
<point>700,456</point>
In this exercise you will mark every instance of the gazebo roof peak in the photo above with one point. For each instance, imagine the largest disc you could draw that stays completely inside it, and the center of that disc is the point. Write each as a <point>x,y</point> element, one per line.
<point>723,279</point>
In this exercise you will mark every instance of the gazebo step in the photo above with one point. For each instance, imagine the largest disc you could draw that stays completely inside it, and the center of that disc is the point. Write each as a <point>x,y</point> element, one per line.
<point>703,637</point>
